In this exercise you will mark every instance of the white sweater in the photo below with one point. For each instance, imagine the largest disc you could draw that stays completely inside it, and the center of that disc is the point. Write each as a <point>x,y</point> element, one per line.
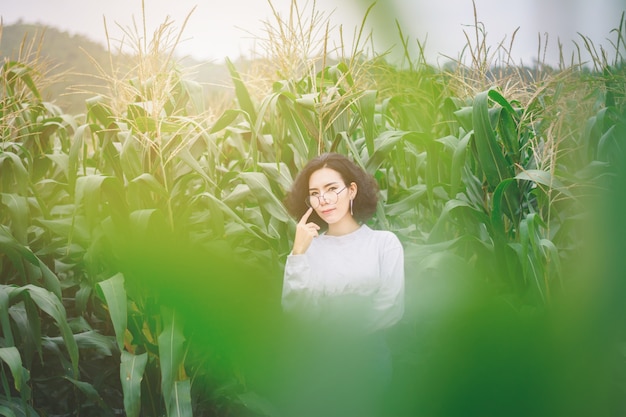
<point>360,274</point>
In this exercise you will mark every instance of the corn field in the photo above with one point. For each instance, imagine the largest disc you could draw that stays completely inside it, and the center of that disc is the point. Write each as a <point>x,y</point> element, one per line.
<point>142,242</point>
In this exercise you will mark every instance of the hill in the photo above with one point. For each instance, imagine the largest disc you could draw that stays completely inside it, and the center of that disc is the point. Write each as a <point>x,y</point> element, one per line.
<point>72,63</point>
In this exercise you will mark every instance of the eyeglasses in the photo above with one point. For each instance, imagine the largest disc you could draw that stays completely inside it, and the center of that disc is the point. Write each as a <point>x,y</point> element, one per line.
<point>330,197</point>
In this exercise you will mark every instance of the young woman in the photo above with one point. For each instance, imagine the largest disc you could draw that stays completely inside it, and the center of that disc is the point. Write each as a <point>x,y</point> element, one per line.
<point>345,279</point>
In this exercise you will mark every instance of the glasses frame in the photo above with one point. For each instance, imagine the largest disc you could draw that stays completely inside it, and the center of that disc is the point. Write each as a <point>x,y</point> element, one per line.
<point>322,196</point>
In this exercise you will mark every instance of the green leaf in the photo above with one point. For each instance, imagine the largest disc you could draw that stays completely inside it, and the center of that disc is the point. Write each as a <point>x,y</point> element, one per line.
<point>130,160</point>
<point>454,205</point>
<point>14,70</point>
<point>496,96</point>
<point>52,305</point>
<point>241,92</point>
<point>6,411</point>
<point>262,190</point>
<point>80,136</point>
<point>17,168</point>
<point>89,192</point>
<point>497,219</point>
<point>86,388</point>
<point>489,151</point>
<point>98,112</point>
<point>225,120</point>
<point>385,143</point>
<point>15,251</point>
<point>11,356</point>
<point>278,172</point>
<point>544,178</point>
<point>132,368</point>
<point>195,92</point>
<point>230,213</point>
<point>50,280</point>
<point>26,320</point>
<point>18,209</point>
<point>367,106</point>
<point>16,407</point>
<point>62,160</point>
<point>18,252</point>
<point>507,125</point>
<point>4,315</point>
<point>148,181</point>
<point>181,404</point>
<point>171,352</point>
<point>186,156</point>
<point>89,339</point>
<point>70,228</point>
<point>458,163</point>
<point>115,297</point>
<point>408,203</point>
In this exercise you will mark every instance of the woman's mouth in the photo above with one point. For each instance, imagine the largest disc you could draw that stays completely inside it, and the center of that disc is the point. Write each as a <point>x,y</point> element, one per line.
<point>325,212</point>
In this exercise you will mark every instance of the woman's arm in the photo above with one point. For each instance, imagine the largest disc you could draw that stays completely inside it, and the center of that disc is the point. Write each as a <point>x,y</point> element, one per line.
<point>297,292</point>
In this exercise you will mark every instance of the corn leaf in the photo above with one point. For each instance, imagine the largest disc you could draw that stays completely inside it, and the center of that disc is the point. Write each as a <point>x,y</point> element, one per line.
<point>148,181</point>
<point>52,305</point>
<point>231,214</point>
<point>385,143</point>
<point>115,297</point>
<point>278,173</point>
<point>15,251</point>
<point>19,211</point>
<point>544,178</point>
<point>89,390</point>
<point>408,203</point>
<point>241,91</point>
<point>367,106</point>
<point>97,110</point>
<point>181,405</point>
<point>132,368</point>
<point>458,163</point>
<point>11,356</point>
<point>262,190</point>
<point>15,70</point>
<point>10,162</point>
<point>6,411</point>
<point>130,160</point>
<point>171,352</point>
<point>225,120</point>
<point>490,154</point>
<point>5,324</point>
<point>497,220</point>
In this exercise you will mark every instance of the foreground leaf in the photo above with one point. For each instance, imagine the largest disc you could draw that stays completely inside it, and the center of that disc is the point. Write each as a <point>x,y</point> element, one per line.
<point>11,356</point>
<point>132,368</point>
<point>115,297</point>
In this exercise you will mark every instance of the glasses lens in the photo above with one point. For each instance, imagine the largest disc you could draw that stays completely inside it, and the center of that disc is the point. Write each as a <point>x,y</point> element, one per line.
<point>312,201</point>
<point>331,197</point>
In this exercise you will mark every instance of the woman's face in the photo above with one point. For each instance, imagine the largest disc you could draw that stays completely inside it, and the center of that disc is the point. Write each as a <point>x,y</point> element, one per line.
<point>335,206</point>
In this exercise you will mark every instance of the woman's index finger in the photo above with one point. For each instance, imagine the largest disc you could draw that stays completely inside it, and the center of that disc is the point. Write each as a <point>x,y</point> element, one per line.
<point>306,216</point>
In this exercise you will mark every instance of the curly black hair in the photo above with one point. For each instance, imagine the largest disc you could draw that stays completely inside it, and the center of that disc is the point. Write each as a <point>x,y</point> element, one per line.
<point>364,204</point>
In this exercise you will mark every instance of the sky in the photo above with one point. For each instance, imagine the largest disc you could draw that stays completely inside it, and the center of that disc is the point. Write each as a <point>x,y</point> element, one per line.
<point>217,29</point>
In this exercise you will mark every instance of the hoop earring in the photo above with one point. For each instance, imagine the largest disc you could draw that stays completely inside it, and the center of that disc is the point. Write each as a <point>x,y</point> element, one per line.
<point>351,213</point>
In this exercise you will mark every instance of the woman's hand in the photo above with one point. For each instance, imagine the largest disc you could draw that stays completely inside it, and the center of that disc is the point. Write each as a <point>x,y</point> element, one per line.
<point>305,232</point>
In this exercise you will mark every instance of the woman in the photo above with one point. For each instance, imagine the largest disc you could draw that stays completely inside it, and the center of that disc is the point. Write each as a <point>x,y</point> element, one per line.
<point>344,279</point>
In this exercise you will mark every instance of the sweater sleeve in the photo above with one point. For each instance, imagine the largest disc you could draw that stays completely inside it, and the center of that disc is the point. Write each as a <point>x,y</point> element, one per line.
<point>299,292</point>
<point>389,300</point>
